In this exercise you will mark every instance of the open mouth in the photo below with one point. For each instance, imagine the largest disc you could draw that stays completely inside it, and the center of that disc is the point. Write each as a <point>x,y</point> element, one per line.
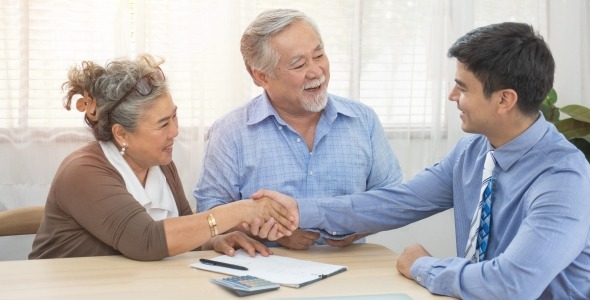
<point>312,89</point>
<point>314,85</point>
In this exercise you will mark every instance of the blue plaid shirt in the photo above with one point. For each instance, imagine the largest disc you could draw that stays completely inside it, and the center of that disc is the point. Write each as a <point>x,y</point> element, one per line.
<point>252,148</point>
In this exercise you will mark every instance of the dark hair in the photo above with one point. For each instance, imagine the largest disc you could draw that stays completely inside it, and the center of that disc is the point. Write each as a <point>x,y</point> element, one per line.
<point>508,56</point>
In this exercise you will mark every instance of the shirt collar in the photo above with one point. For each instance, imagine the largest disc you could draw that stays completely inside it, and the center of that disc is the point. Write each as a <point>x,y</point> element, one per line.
<point>511,152</point>
<point>262,108</point>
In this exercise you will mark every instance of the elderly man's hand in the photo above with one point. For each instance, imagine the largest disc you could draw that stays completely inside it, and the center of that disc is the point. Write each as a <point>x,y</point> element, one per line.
<point>346,241</point>
<point>299,240</point>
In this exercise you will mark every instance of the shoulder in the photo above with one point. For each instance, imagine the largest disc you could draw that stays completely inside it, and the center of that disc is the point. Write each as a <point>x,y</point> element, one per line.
<point>355,105</point>
<point>241,122</point>
<point>88,156</point>
<point>557,153</point>
<point>559,173</point>
<point>353,109</point>
<point>238,116</point>
<point>471,141</point>
<point>89,160</point>
<point>84,172</point>
<point>556,145</point>
<point>468,148</point>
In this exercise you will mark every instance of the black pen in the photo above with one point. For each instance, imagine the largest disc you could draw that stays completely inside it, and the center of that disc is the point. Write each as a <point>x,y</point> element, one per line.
<point>222,264</point>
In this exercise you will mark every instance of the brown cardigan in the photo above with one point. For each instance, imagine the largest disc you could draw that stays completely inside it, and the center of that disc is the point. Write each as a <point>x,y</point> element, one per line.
<point>90,213</point>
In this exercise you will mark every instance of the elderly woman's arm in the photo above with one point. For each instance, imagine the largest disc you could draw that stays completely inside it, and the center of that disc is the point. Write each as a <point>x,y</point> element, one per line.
<point>189,232</point>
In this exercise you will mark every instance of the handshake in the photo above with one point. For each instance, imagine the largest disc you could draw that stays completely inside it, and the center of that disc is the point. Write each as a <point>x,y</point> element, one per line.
<point>277,219</point>
<point>276,215</point>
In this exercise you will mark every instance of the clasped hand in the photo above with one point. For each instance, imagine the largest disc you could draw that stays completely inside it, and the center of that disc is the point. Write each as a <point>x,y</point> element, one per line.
<point>283,224</point>
<point>298,239</point>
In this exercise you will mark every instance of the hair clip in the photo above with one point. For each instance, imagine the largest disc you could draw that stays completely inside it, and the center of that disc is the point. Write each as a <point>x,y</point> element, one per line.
<point>88,105</point>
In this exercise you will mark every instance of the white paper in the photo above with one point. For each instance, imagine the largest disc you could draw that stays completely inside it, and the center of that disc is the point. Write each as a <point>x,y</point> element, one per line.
<point>280,269</point>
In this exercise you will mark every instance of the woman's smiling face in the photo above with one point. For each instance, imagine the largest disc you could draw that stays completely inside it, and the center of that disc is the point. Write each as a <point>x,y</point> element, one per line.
<point>151,144</point>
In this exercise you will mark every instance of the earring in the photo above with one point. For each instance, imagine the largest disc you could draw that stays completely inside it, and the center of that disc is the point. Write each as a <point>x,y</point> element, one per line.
<point>123,149</point>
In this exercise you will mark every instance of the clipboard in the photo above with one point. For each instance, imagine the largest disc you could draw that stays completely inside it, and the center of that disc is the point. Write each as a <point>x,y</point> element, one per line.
<point>283,270</point>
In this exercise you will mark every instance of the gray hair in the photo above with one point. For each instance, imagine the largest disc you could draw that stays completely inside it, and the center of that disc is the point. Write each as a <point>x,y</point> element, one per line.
<point>120,77</point>
<point>255,43</point>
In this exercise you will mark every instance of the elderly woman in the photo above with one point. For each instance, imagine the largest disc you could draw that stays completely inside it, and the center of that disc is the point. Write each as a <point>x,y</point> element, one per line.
<point>122,194</point>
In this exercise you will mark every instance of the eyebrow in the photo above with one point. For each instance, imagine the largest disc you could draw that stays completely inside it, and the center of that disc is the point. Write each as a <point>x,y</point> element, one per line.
<point>460,83</point>
<point>164,119</point>
<point>297,58</point>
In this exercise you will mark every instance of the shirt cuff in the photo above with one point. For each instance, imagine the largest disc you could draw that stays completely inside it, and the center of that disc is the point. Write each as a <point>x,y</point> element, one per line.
<point>309,213</point>
<point>420,270</point>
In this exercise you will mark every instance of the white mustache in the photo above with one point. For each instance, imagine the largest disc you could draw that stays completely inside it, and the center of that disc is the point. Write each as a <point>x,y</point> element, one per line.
<point>315,83</point>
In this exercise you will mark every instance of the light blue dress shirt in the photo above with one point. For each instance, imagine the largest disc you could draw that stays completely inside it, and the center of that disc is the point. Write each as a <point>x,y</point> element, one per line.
<point>539,245</point>
<point>253,148</point>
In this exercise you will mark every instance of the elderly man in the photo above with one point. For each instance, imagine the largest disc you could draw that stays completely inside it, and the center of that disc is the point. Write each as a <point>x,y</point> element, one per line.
<point>295,137</point>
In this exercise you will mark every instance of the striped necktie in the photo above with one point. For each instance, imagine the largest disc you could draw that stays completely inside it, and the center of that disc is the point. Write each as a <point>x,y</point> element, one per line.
<point>481,221</point>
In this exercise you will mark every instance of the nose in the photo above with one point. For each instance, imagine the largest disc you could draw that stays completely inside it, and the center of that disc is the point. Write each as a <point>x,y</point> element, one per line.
<point>174,131</point>
<point>454,94</point>
<point>315,70</point>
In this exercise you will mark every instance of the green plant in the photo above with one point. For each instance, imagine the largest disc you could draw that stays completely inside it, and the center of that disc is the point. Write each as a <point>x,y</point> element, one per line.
<point>576,128</point>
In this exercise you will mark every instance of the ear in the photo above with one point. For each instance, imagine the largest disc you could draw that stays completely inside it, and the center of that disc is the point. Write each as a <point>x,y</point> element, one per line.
<point>119,134</point>
<point>261,78</point>
<point>508,99</point>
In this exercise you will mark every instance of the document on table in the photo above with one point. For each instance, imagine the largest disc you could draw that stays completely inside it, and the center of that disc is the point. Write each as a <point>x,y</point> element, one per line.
<point>279,269</point>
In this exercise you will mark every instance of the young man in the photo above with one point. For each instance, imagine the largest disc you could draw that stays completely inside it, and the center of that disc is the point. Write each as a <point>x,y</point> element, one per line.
<point>534,241</point>
<point>295,137</point>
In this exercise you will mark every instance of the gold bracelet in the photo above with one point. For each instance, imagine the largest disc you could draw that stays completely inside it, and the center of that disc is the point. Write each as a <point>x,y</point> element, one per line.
<point>212,225</point>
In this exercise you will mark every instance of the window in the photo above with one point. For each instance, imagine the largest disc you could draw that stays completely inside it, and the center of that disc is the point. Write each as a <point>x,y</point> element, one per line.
<point>389,54</point>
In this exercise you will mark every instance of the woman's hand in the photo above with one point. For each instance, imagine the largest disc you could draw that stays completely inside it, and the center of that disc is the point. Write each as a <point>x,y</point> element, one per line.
<point>228,244</point>
<point>268,230</point>
<point>280,216</point>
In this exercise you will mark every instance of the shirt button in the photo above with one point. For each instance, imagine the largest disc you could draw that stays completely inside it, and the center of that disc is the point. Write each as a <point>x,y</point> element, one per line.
<point>334,233</point>
<point>418,278</point>
<point>298,140</point>
<point>310,173</point>
<point>280,127</point>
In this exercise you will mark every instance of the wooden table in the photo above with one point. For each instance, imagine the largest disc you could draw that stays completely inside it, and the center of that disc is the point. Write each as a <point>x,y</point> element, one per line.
<point>371,270</point>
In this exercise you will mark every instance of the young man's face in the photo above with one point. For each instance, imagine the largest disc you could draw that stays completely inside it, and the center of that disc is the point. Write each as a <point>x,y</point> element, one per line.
<point>478,113</point>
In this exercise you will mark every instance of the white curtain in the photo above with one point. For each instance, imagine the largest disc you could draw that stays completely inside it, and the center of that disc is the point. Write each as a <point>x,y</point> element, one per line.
<point>390,54</point>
